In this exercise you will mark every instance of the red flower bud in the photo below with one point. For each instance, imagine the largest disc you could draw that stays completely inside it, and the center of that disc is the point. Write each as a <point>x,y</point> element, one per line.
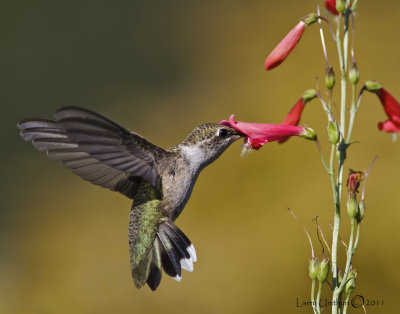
<point>335,7</point>
<point>331,6</point>
<point>284,48</point>
<point>259,133</point>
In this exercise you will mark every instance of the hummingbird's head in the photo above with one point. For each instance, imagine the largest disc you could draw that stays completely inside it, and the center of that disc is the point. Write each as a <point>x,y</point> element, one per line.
<point>207,142</point>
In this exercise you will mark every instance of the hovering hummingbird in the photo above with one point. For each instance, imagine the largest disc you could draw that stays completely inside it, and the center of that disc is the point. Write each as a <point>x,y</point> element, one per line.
<point>159,181</point>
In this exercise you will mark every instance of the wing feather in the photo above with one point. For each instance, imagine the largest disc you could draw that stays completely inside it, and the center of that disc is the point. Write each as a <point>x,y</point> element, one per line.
<point>97,135</point>
<point>96,149</point>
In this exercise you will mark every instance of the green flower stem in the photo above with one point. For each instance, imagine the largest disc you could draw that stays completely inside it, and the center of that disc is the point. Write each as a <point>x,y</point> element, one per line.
<point>313,295</point>
<point>346,41</point>
<point>353,111</point>
<point>343,55</point>
<point>336,201</point>
<point>343,102</point>
<point>326,107</point>
<point>328,170</point>
<point>346,303</point>
<point>320,285</point>
<point>336,227</point>
<point>332,175</point>
<point>338,291</point>
<point>357,238</point>
<point>342,150</point>
<point>354,5</point>
<point>330,99</point>
<point>336,224</point>
<point>336,219</point>
<point>321,32</point>
<point>343,74</point>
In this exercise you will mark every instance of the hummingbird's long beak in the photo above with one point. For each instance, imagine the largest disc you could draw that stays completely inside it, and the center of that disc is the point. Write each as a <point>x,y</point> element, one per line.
<point>238,135</point>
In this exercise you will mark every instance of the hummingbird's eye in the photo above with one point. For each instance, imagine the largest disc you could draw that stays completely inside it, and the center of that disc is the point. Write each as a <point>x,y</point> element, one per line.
<point>222,132</point>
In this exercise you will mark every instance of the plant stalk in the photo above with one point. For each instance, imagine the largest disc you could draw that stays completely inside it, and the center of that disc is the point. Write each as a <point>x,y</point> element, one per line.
<point>346,304</point>
<point>313,295</point>
<point>320,285</point>
<point>343,60</point>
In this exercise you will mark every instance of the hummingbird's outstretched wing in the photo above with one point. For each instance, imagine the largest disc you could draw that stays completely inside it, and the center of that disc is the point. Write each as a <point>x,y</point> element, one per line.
<point>96,149</point>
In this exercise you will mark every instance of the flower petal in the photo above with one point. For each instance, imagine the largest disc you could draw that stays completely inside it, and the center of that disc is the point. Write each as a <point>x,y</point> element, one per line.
<point>293,117</point>
<point>259,133</point>
<point>390,105</point>
<point>389,126</point>
<point>331,6</point>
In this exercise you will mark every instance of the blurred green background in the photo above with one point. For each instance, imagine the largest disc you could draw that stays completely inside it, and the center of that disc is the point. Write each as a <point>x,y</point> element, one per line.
<point>160,68</point>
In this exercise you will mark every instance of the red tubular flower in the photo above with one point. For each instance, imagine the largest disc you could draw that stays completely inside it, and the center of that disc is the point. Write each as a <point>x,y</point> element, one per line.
<point>259,133</point>
<point>293,117</point>
<point>390,105</point>
<point>283,49</point>
<point>331,6</point>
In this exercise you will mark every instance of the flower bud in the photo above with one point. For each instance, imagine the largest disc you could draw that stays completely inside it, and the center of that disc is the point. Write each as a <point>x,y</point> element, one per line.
<point>361,211</point>
<point>352,207</point>
<point>289,42</point>
<point>354,74</point>
<point>313,268</point>
<point>331,6</point>
<point>333,132</point>
<point>372,86</point>
<point>330,78</point>
<point>340,6</point>
<point>285,46</point>
<point>351,283</point>
<point>309,95</point>
<point>323,270</point>
<point>309,134</point>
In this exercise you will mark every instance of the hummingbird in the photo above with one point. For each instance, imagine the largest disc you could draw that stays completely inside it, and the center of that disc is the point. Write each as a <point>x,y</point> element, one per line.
<point>158,181</point>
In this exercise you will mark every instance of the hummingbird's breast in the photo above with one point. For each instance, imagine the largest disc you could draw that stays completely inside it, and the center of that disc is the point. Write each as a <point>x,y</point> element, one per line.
<point>177,185</point>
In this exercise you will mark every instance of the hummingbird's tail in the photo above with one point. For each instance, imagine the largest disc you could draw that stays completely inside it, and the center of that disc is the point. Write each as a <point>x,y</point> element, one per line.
<point>172,250</point>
